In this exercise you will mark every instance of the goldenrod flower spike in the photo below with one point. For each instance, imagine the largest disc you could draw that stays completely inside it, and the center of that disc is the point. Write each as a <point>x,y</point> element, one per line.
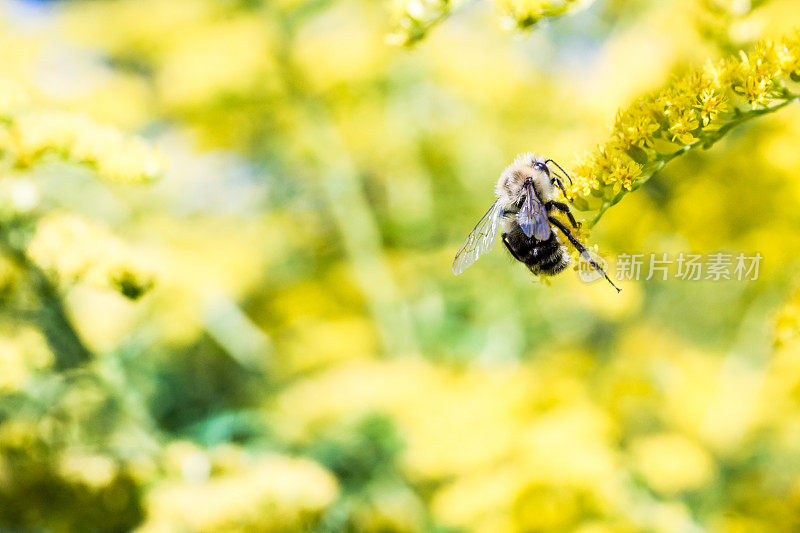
<point>697,109</point>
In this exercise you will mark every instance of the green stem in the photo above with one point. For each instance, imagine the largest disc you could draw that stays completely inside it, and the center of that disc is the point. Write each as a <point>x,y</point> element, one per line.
<point>56,326</point>
<point>340,187</point>
<point>51,316</point>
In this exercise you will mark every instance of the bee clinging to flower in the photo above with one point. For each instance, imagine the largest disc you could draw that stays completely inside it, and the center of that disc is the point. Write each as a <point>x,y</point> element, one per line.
<point>524,207</point>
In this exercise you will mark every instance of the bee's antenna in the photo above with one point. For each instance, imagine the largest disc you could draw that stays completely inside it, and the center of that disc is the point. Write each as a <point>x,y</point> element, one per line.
<point>559,168</point>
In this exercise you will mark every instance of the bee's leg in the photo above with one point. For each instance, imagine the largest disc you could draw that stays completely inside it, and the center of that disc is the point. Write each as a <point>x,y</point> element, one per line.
<point>581,249</point>
<point>564,208</point>
<point>561,186</point>
<point>510,249</point>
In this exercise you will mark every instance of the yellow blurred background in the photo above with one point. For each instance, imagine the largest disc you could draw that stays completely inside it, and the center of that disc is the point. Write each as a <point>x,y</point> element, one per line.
<point>226,304</point>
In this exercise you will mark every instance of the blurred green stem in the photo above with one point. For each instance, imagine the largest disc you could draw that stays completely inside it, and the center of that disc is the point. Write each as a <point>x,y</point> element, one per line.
<point>54,323</point>
<point>341,187</point>
<point>50,315</point>
<point>358,229</point>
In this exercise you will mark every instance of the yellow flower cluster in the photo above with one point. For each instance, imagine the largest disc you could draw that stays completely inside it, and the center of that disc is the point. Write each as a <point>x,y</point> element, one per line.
<point>414,18</point>
<point>23,350</point>
<point>548,454</point>
<point>115,156</point>
<point>71,249</point>
<point>671,462</point>
<point>525,14</point>
<point>28,133</point>
<point>696,109</point>
<point>93,470</point>
<point>269,493</point>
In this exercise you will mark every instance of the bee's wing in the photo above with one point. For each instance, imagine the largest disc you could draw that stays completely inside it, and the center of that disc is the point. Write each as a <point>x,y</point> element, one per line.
<point>532,217</point>
<point>480,240</point>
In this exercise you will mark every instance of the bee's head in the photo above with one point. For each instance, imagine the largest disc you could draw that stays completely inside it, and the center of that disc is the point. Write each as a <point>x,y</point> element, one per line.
<point>525,168</point>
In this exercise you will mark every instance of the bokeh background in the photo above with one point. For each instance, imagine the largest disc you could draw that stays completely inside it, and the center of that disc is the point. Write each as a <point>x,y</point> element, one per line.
<point>225,292</point>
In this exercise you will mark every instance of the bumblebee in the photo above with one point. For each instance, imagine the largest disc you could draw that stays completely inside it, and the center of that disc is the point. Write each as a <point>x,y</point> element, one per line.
<point>524,208</point>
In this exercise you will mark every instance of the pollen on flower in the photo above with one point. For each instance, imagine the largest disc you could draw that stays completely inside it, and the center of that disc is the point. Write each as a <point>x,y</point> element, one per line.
<point>624,175</point>
<point>754,91</point>
<point>604,158</point>
<point>710,104</point>
<point>683,125</point>
<point>635,127</point>
<point>583,180</point>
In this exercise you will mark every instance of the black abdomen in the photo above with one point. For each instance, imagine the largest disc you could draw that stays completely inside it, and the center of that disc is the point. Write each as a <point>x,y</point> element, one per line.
<point>547,257</point>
